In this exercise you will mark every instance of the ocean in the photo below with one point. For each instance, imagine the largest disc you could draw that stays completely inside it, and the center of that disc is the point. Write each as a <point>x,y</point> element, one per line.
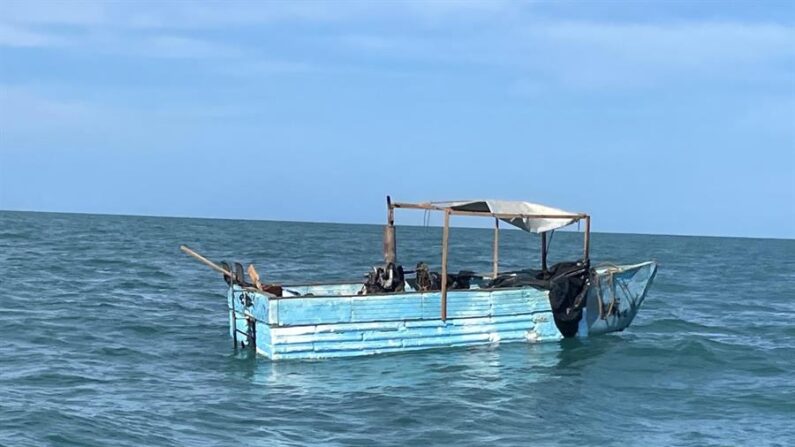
<point>110,336</point>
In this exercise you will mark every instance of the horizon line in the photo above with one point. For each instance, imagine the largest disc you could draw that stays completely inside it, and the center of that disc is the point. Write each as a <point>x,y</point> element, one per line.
<point>367,223</point>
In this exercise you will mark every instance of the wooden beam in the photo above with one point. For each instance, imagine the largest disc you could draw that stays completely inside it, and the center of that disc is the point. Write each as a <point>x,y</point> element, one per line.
<point>390,246</point>
<point>220,269</point>
<point>496,254</point>
<point>523,216</point>
<point>587,243</point>
<point>390,211</point>
<point>417,206</point>
<point>544,252</point>
<point>206,261</point>
<point>445,236</point>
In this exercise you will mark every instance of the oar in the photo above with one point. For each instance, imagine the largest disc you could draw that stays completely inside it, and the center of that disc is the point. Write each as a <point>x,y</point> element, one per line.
<point>220,269</point>
<point>205,261</point>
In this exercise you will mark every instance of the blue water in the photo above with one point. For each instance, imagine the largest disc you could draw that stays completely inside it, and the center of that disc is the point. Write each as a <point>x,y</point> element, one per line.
<point>110,336</point>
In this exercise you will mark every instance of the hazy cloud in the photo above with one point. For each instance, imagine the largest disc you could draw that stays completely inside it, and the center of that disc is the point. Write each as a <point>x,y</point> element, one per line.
<point>13,36</point>
<point>579,54</point>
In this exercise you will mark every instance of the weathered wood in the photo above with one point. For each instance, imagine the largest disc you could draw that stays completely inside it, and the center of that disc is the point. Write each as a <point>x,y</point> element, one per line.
<point>390,211</point>
<point>390,245</point>
<point>523,216</point>
<point>338,326</point>
<point>496,252</point>
<point>445,237</point>
<point>185,249</point>
<point>587,243</point>
<point>418,206</point>
<point>252,273</point>
<point>544,252</point>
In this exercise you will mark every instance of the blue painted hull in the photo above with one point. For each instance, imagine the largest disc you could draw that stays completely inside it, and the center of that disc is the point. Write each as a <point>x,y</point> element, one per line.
<point>335,322</point>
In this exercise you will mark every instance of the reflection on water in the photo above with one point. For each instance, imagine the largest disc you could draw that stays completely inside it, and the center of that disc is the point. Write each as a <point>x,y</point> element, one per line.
<point>487,367</point>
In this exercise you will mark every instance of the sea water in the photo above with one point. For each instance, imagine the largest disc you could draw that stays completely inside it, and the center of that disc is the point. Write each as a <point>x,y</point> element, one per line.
<point>109,335</point>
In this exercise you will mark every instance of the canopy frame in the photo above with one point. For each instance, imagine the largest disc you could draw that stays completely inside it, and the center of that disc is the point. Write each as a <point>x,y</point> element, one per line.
<point>390,242</point>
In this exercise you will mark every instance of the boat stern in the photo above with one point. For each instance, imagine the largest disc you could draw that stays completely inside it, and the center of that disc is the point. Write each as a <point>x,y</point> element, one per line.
<point>247,308</point>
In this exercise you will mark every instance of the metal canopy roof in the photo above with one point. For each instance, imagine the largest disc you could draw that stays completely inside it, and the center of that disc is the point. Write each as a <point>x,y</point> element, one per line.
<point>530,217</point>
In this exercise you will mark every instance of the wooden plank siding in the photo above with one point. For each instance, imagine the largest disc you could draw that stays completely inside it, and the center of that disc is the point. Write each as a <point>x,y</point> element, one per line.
<point>338,325</point>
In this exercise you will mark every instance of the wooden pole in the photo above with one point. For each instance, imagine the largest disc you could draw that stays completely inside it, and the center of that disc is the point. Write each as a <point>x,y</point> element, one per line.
<point>205,261</point>
<point>390,213</point>
<point>523,216</point>
<point>587,243</point>
<point>445,235</point>
<point>496,255</point>
<point>218,268</point>
<point>390,249</point>
<point>544,252</point>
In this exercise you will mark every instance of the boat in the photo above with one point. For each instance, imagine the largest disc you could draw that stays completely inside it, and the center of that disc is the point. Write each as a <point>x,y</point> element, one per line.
<point>396,310</point>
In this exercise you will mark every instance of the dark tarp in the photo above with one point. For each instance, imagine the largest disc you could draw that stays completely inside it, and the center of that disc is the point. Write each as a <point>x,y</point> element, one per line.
<point>567,283</point>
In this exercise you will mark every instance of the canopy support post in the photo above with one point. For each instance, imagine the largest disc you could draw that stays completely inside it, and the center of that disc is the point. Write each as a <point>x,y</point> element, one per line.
<point>544,252</point>
<point>587,243</point>
<point>390,249</point>
<point>496,255</point>
<point>445,235</point>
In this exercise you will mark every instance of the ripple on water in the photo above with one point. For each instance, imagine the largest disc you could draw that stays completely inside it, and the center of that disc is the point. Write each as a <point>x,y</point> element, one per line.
<point>110,336</point>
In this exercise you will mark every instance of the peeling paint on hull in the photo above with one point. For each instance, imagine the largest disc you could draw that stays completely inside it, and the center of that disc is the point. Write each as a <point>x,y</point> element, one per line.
<point>336,325</point>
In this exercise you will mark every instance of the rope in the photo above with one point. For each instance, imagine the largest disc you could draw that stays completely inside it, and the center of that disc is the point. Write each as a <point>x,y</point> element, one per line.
<point>599,296</point>
<point>613,292</point>
<point>627,293</point>
<point>609,265</point>
<point>612,269</point>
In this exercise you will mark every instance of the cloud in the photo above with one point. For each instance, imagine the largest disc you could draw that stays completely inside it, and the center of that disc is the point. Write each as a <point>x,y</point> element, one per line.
<point>25,112</point>
<point>218,14</point>
<point>587,55</point>
<point>509,34</point>
<point>604,54</point>
<point>532,53</point>
<point>42,13</point>
<point>13,36</point>
<point>173,46</point>
<point>44,116</point>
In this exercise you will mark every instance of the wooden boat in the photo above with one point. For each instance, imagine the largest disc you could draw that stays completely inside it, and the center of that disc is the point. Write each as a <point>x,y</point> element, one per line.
<point>391,311</point>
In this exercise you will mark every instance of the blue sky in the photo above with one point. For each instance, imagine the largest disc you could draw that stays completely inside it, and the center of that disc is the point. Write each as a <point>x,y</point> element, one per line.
<point>655,117</point>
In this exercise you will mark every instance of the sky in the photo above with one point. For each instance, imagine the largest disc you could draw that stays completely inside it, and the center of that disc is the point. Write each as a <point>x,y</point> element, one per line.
<point>654,117</point>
